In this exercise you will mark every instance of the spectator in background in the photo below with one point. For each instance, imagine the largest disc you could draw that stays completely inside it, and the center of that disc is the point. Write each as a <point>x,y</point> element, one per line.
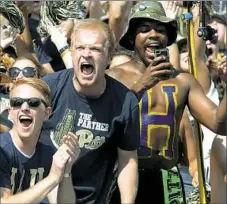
<point>56,23</point>
<point>7,58</point>
<point>12,22</point>
<point>113,13</point>
<point>5,80</point>
<point>25,67</point>
<point>218,49</point>
<point>218,174</point>
<point>15,31</point>
<point>30,170</point>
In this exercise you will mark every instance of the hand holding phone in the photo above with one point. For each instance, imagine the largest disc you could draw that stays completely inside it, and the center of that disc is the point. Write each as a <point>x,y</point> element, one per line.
<point>162,52</point>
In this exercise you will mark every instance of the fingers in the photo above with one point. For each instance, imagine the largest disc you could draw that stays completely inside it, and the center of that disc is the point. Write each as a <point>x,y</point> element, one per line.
<point>195,181</point>
<point>72,138</point>
<point>72,143</point>
<point>61,157</point>
<point>157,60</point>
<point>56,30</point>
<point>170,5</point>
<point>73,135</point>
<point>174,6</point>
<point>163,65</point>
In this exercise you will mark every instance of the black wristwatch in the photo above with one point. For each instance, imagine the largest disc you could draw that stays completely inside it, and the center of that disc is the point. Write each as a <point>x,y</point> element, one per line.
<point>63,49</point>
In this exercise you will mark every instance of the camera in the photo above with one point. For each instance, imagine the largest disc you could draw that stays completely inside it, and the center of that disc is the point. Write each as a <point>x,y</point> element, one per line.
<point>162,52</point>
<point>207,33</point>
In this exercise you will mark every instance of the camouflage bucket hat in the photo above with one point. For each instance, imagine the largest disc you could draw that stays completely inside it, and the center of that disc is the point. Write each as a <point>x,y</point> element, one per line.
<point>148,10</point>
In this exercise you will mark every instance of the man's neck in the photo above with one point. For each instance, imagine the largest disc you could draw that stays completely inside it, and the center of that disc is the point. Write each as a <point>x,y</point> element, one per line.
<point>27,146</point>
<point>93,91</point>
<point>140,65</point>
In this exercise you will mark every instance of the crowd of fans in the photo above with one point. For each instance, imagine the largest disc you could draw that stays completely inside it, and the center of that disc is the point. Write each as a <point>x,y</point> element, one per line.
<point>88,105</point>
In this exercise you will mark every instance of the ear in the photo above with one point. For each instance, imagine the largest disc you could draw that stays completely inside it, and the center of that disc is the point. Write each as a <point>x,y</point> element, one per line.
<point>47,113</point>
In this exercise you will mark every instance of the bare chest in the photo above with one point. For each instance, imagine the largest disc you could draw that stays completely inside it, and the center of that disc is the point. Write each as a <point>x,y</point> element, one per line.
<point>161,109</point>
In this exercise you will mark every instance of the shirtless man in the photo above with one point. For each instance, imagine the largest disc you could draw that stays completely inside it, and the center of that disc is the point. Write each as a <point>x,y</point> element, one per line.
<point>163,93</point>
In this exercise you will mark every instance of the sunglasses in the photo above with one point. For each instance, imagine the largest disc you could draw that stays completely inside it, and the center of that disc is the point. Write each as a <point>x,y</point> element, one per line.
<point>27,72</point>
<point>3,70</point>
<point>32,102</point>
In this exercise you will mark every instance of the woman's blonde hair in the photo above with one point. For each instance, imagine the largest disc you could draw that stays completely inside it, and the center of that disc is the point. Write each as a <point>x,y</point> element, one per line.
<point>38,84</point>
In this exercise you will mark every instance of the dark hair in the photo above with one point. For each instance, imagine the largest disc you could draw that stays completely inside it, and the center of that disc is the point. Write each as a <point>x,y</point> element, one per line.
<point>219,18</point>
<point>10,50</point>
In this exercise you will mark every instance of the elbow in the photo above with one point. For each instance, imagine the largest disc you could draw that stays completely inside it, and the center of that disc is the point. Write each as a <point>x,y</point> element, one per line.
<point>221,128</point>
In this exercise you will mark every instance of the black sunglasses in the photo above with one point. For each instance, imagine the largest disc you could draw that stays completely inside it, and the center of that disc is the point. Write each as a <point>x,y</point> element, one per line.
<point>32,102</point>
<point>27,72</point>
<point>3,70</point>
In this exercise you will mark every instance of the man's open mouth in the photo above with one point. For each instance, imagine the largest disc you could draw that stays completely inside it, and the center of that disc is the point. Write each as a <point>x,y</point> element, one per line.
<point>25,121</point>
<point>86,68</point>
<point>152,47</point>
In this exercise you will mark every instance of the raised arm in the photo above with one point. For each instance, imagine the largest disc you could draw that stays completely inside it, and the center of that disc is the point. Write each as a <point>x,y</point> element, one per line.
<point>200,48</point>
<point>58,37</point>
<point>204,110</point>
<point>39,191</point>
<point>66,193</point>
<point>24,44</point>
<point>118,16</point>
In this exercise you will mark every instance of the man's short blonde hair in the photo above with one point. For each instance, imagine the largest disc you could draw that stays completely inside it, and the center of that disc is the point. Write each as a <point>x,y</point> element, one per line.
<point>38,84</point>
<point>94,24</point>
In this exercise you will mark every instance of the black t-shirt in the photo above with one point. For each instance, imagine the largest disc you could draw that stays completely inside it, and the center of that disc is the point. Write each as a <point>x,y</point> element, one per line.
<point>102,124</point>
<point>17,171</point>
<point>48,53</point>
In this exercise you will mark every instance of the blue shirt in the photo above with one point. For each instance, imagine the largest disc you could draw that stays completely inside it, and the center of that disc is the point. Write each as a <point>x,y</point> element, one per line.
<point>18,172</point>
<point>102,124</point>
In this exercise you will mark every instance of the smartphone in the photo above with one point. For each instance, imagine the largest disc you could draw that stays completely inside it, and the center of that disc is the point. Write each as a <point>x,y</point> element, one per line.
<point>165,52</point>
<point>162,52</point>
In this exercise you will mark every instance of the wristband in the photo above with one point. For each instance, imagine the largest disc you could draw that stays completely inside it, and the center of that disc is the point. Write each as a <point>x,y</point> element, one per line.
<point>63,49</point>
<point>64,53</point>
<point>67,175</point>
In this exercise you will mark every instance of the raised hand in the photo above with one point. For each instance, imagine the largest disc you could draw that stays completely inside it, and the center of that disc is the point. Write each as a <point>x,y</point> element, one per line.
<point>73,149</point>
<point>155,72</point>
<point>8,36</point>
<point>195,180</point>
<point>59,161</point>
<point>171,8</point>
<point>58,36</point>
<point>222,69</point>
